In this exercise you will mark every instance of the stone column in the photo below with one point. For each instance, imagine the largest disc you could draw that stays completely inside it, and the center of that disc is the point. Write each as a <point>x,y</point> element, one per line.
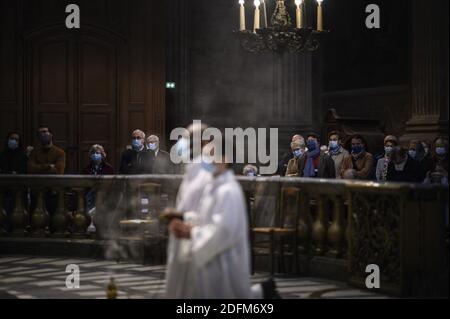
<point>293,102</point>
<point>429,70</point>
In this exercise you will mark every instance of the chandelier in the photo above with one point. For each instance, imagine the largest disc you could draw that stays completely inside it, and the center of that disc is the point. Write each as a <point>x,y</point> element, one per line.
<point>281,35</point>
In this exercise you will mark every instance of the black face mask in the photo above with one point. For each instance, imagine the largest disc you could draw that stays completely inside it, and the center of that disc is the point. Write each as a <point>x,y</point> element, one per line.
<point>45,138</point>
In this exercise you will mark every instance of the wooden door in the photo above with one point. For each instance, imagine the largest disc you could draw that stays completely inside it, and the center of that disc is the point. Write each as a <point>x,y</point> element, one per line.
<point>53,91</point>
<point>74,91</point>
<point>97,98</point>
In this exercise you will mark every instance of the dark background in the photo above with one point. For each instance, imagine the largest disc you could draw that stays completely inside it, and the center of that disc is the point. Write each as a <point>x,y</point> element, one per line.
<point>97,84</point>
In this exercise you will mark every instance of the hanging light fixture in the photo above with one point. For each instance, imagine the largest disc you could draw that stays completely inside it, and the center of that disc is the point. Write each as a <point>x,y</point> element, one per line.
<point>281,35</point>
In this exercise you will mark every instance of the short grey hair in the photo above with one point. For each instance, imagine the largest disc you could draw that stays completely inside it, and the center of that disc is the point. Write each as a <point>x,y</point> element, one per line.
<point>138,132</point>
<point>153,137</point>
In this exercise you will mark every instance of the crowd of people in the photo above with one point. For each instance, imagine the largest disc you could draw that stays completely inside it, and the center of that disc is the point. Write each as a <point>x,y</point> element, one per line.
<point>420,162</point>
<point>143,157</point>
<point>208,249</point>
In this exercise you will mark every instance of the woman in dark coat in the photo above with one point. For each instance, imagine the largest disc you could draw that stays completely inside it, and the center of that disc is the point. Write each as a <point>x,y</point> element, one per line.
<point>97,162</point>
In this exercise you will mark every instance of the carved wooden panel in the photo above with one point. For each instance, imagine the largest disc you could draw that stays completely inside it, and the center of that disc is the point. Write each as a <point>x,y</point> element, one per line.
<point>52,83</point>
<point>92,85</point>
<point>97,99</point>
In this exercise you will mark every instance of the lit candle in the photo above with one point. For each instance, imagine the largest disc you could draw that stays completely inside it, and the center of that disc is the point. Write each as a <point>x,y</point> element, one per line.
<point>242,16</point>
<point>265,13</point>
<point>256,25</point>
<point>299,14</point>
<point>319,16</point>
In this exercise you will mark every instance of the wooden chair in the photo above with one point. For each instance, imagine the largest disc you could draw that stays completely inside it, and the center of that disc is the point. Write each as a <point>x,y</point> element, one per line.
<point>144,230</point>
<point>281,235</point>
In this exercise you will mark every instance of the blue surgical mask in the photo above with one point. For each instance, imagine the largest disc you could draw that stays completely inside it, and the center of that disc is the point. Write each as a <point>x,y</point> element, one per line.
<point>137,144</point>
<point>357,149</point>
<point>45,138</point>
<point>298,153</point>
<point>312,145</point>
<point>209,167</point>
<point>152,146</point>
<point>97,158</point>
<point>440,151</point>
<point>13,144</point>
<point>388,150</point>
<point>333,145</point>
<point>412,153</point>
<point>251,174</point>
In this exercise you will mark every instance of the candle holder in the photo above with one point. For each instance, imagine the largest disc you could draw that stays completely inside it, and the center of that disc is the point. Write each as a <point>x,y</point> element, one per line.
<point>281,36</point>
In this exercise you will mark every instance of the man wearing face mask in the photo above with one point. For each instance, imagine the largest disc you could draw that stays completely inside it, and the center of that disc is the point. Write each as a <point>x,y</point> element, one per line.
<point>416,151</point>
<point>136,160</point>
<point>315,163</point>
<point>336,151</point>
<point>439,171</point>
<point>403,168</point>
<point>390,142</point>
<point>196,176</point>
<point>359,164</point>
<point>13,159</point>
<point>216,259</point>
<point>46,158</point>
<point>298,149</point>
<point>160,160</point>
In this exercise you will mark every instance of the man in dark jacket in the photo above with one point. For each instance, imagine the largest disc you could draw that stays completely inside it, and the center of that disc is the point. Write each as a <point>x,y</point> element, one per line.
<point>160,160</point>
<point>403,168</point>
<point>314,163</point>
<point>136,160</point>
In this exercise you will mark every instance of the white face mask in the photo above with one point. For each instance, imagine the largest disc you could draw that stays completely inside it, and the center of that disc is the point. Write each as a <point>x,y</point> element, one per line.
<point>182,147</point>
<point>153,146</point>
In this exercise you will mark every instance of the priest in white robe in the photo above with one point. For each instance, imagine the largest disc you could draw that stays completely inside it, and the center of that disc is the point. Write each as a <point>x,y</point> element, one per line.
<point>217,235</point>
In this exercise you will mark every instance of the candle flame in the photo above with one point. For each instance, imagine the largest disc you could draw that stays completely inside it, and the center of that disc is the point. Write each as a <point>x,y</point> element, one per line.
<point>319,1</point>
<point>241,2</point>
<point>257,3</point>
<point>298,2</point>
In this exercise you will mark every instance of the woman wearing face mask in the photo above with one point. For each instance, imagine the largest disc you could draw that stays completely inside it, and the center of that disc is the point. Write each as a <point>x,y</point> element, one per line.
<point>250,171</point>
<point>13,159</point>
<point>390,142</point>
<point>359,164</point>
<point>298,149</point>
<point>97,162</point>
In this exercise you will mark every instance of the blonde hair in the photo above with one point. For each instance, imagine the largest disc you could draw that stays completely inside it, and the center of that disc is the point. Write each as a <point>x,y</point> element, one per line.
<point>97,148</point>
<point>249,168</point>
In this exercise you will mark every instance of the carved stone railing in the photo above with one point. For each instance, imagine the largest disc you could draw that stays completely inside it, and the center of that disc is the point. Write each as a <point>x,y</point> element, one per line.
<point>401,228</point>
<point>29,197</point>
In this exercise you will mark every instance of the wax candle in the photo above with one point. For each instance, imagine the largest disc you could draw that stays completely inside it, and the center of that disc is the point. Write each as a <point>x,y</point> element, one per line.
<point>319,16</point>
<point>242,16</point>
<point>256,24</point>
<point>299,13</point>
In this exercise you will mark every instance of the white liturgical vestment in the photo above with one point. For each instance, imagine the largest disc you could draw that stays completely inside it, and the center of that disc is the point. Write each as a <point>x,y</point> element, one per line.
<point>215,262</point>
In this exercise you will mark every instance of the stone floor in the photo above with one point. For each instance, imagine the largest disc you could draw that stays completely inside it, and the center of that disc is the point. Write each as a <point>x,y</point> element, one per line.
<point>27,277</point>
